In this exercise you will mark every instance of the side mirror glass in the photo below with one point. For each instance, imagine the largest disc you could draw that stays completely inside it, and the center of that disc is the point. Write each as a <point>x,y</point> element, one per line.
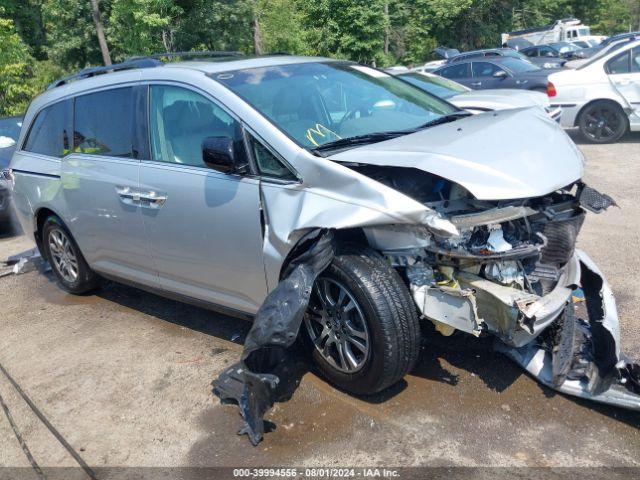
<point>500,74</point>
<point>218,154</point>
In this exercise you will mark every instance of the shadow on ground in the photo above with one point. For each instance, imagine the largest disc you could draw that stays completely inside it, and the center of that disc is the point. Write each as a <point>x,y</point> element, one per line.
<point>178,313</point>
<point>576,136</point>
<point>462,352</point>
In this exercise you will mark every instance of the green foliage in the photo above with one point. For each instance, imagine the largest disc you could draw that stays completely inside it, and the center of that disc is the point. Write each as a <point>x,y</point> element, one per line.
<point>282,29</point>
<point>344,28</point>
<point>15,70</point>
<point>41,39</point>
<point>71,37</point>
<point>142,27</point>
<point>215,25</point>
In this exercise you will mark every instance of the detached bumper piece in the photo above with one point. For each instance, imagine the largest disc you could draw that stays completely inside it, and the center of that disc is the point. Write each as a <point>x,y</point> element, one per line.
<point>595,201</point>
<point>260,377</point>
<point>581,356</point>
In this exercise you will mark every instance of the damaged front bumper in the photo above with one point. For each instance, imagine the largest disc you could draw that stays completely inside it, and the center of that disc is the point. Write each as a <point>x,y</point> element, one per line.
<point>581,356</point>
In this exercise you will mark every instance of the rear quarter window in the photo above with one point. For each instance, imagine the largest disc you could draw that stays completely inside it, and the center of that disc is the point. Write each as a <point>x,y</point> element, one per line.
<point>619,64</point>
<point>50,131</point>
<point>103,123</point>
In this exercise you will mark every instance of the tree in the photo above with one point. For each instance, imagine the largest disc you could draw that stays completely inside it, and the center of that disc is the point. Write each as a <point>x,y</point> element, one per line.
<point>15,70</point>
<point>281,27</point>
<point>215,25</point>
<point>345,28</point>
<point>142,27</point>
<point>102,41</point>
<point>71,33</point>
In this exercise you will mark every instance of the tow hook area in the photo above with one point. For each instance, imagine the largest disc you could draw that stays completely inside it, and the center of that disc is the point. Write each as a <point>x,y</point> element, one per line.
<point>580,355</point>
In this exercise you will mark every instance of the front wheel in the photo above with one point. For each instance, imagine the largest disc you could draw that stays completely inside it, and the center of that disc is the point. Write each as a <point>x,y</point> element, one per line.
<point>362,323</point>
<point>603,122</point>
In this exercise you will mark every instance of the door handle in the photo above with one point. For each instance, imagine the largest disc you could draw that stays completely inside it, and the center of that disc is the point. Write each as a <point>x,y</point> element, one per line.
<point>152,199</point>
<point>128,195</point>
<point>623,82</point>
<point>476,84</point>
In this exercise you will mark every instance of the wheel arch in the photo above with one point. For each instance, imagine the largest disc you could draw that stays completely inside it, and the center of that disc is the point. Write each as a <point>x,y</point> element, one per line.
<point>40,216</point>
<point>343,237</point>
<point>576,121</point>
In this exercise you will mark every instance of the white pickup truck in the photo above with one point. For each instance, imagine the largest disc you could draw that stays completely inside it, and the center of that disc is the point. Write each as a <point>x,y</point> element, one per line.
<point>566,30</point>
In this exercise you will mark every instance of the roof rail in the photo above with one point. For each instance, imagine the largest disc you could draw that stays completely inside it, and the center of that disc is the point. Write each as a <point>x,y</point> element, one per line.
<point>202,53</point>
<point>93,71</point>
<point>146,61</point>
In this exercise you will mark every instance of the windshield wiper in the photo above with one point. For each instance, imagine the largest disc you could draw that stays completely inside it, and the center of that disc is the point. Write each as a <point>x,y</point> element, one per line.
<point>452,117</point>
<point>382,136</point>
<point>357,140</point>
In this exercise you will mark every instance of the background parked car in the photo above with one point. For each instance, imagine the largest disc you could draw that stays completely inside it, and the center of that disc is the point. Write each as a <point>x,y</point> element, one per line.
<point>561,52</point>
<point>507,52</point>
<point>497,72</point>
<point>517,43</point>
<point>478,101</point>
<point>589,52</point>
<point>601,97</point>
<point>9,132</point>
<point>585,43</point>
<point>602,51</point>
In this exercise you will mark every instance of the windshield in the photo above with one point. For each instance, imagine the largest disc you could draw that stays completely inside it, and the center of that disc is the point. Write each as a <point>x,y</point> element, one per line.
<point>584,32</point>
<point>438,86</point>
<point>318,103</point>
<point>517,65</point>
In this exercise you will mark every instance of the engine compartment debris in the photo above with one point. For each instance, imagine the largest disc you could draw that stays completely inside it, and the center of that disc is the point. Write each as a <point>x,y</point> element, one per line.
<point>512,272</point>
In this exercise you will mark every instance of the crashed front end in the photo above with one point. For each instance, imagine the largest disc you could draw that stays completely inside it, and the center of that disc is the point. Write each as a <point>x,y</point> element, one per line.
<point>511,270</point>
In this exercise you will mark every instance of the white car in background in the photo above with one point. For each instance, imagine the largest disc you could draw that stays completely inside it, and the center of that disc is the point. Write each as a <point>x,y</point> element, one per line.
<point>478,101</point>
<point>602,96</point>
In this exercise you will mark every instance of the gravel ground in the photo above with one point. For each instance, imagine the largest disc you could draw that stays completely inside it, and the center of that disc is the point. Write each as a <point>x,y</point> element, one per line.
<point>124,376</point>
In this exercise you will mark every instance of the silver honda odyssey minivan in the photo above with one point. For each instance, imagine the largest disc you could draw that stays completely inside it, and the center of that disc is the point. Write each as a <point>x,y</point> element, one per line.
<point>196,179</point>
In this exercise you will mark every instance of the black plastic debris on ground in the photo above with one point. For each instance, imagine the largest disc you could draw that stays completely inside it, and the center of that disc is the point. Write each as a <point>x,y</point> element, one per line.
<point>256,381</point>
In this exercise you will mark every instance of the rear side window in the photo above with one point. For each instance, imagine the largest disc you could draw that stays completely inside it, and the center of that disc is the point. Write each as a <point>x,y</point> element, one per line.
<point>484,69</point>
<point>619,64</point>
<point>635,60</point>
<point>103,123</point>
<point>49,133</point>
<point>546,52</point>
<point>456,71</point>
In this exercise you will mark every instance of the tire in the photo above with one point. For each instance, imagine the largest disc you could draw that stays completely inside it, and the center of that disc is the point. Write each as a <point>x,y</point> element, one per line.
<point>603,122</point>
<point>383,311</point>
<point>67,262</point>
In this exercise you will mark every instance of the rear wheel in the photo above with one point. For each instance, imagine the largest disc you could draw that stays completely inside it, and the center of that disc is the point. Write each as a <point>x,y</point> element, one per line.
<point>69,266</point>
<point>603,122</point>
<point>362,323</point>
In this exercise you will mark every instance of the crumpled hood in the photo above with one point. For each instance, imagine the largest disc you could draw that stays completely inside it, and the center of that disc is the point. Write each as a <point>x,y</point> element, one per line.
<point>508,154</point>
<point>502,98</point>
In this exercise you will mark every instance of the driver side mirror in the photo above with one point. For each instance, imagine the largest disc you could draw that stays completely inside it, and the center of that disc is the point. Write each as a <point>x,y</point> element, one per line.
<point>501,74</point>
<point>218,154</point>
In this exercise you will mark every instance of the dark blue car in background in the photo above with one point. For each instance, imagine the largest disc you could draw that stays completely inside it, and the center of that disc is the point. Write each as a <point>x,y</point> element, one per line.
<point>497,72</point>
<point>9,133</point>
